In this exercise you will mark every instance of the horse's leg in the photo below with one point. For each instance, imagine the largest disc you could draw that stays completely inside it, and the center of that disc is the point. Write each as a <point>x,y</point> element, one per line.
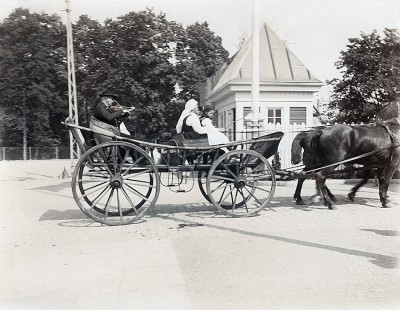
<point>331,196</point>
<point>354,190</point>
<point>385,176</point>
<point>297,197</point>
<point>382,185</point>
<point>320,179</point>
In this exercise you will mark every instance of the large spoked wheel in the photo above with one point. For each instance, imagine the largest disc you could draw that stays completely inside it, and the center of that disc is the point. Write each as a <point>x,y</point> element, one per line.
<point>241,183</point>
<point>115,183</point>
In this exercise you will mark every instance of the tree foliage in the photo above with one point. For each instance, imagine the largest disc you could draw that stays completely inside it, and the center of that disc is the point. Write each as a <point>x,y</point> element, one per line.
<point>141,56</point>
<point>199,55</point>
<point>371,77</point>
<point>32,67</point>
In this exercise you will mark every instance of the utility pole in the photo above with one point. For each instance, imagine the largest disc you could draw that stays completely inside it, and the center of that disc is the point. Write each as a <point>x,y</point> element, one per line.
<point>255,82</point>
<point>255,124</point>
<point>73,106</point>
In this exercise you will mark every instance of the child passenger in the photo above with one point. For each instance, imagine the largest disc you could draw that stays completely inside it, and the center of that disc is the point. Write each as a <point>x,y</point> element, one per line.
<point>215,137</point>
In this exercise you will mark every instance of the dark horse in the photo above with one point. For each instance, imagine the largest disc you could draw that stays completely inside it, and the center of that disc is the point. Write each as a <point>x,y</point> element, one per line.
<point>338,143</point>
<point>298,145</point>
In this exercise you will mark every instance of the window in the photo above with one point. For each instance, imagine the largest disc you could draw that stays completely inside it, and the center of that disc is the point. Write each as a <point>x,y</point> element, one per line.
<point>297,115</point>
<point>221,122</point>
<point>248,112</point>
<point>275,116</point>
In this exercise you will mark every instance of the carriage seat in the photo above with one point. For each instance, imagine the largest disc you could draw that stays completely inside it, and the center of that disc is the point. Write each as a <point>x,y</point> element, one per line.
<point>182,141</point>
<point>102,130</point>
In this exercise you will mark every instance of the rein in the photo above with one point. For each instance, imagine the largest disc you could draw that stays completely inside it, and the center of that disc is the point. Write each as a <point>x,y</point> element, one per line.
<point>391,146</point>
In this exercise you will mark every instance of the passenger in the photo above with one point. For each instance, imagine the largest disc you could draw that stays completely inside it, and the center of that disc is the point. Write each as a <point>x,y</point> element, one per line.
<point>189,122</point>
<point>214,136</point>
<point>108,110</point>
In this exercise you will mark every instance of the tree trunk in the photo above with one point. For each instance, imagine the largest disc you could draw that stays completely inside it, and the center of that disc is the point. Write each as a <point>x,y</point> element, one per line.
<point>24,140</point>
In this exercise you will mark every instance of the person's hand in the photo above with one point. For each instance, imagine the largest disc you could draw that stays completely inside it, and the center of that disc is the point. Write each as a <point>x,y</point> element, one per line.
<point>129,111</point>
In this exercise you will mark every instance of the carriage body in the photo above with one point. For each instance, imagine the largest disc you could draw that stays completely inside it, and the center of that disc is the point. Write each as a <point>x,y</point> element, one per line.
<point>117,179</point>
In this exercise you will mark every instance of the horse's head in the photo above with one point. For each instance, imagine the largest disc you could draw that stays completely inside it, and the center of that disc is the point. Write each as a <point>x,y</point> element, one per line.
<point>297,146</point>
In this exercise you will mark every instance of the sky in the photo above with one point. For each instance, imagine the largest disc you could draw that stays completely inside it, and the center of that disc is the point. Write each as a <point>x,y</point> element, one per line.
<point>316,31</point>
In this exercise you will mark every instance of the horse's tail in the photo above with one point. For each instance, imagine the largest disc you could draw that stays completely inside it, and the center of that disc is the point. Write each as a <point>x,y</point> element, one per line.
<point>310,156</point>
<point>297,147</point>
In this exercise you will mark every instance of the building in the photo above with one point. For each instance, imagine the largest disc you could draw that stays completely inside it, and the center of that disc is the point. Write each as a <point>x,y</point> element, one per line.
<point>286,92</point>
<point>286,88</point>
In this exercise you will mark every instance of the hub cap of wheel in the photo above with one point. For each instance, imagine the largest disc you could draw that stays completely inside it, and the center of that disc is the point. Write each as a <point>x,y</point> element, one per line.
<point>240,182</point>
<point>116,182</point>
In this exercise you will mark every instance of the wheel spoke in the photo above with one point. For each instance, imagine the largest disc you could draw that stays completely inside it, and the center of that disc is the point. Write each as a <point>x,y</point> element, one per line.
<point>130,201</point>
<point>218,178</point>
<point>94,191</point>
<point>135,174</point>
<point>219,205</point>
<point>119,207</point>
<point>132,165</point>
<point>234,204</point>
<point>229,170</point>
<point>99,197</point>
<point>244,199</point>
<point>100,183</point>
<point>107,204</point>
<point>258,187</point>
<point>135,192</point>
<point>131,182</point>
<point>254,196</point>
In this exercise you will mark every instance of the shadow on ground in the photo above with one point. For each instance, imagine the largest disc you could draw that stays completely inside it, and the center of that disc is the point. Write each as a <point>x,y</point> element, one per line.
<point>193,211</point>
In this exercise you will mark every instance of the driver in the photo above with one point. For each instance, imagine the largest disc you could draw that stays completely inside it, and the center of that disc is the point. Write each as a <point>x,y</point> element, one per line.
<point>108,110</point>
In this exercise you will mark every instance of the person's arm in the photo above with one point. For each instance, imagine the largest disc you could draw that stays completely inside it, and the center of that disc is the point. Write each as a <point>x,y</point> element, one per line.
<point>108,115</point>
<point>194,121</point>
<point>207,123</point>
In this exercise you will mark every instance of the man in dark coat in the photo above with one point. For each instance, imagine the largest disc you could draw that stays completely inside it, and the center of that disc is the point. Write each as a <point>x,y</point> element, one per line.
<point>108,110</point>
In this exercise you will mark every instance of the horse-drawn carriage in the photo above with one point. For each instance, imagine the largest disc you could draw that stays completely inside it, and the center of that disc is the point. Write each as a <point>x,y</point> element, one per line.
<point>117,181</point>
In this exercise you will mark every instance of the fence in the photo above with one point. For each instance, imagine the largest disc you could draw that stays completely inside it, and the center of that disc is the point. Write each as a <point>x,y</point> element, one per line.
<point>284,150</point>
<point>34,153</point>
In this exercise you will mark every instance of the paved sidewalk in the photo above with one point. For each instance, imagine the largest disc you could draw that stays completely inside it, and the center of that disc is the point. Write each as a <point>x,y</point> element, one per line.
<point>185,256</point>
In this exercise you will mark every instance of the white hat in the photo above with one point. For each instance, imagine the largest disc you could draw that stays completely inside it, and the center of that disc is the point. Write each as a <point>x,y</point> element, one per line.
<point>191,104</point>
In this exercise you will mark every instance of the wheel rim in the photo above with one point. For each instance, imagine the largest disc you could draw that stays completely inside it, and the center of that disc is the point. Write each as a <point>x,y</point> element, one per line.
<point>115,183</point>
<point>241,183</point>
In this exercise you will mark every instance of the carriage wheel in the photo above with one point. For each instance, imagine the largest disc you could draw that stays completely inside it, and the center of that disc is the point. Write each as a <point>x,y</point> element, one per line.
<point>202,181</point>
<point>241,178</point>
<point>115,183</point>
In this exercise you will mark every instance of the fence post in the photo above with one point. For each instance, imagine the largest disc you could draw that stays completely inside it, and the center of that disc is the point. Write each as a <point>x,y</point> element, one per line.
<point>30,152</point>
<point>56,152</point>
<point>4,153</point>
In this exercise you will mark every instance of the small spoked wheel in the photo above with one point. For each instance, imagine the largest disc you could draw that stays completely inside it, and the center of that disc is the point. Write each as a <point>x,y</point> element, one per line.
<point>241,183</point>
<point>115,183</point>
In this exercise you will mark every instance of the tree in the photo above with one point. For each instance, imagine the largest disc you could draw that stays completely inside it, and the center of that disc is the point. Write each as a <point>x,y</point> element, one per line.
<point>141,56</point>
<point>92,48</point>
<point>132,57</point>
<point>371,77</point>
<point>32,62</point>
<point>199,55</point>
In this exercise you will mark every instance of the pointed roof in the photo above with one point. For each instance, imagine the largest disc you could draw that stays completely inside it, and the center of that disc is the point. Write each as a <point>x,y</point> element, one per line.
<point>277,63</point>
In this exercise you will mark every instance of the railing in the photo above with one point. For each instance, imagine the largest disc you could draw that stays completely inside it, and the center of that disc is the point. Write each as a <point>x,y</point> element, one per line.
<point>34,153</point>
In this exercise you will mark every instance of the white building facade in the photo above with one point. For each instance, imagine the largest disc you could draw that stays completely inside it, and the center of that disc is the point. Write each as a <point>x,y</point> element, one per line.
<point>286,90</point>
